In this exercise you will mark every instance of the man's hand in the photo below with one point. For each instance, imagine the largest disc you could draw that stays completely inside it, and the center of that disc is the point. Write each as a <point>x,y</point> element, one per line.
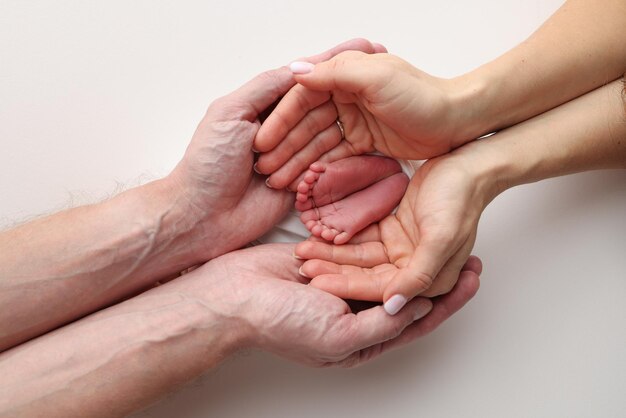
<point>139,350</point>
<point>216,178</point>
<point>83,259</point>
<point>261,291</point>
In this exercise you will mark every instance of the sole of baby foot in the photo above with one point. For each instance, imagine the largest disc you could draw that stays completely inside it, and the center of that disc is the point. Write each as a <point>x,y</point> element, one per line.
<point>339,221</point>
<point>326,183</point>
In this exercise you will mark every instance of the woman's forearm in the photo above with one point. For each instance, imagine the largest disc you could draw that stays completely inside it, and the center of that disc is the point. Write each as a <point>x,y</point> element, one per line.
<point>587,133</point>
<point>580,48</point>
<point>64,266</point>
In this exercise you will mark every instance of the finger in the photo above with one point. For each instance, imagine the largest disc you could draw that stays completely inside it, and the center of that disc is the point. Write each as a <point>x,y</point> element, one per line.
<point>378,48</point>
<point>425,263</point>
<point>352,283</point>
<point>474,264</point>
<point>271,134</point>
<point>447,276</point>
<point>449,273</point>
<point>300,162</point>
<point>317,268</point>
<point>350,71</point>
<point>443,308</point>
<point>373,326</point>
<point>316,121</point>
<point>296,104</point>
<point>369,234</point>
<point>356,44</point>
<point>367,254</point>
<point>249,100</point>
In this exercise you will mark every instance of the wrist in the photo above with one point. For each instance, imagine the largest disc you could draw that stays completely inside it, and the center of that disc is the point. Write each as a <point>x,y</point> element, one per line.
<point>165,226</point>
<point>490,171</point>
<point>220,310</point>
<point>469,98</point>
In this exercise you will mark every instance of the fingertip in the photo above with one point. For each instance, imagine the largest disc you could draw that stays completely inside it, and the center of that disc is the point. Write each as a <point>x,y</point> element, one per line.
<point>474,264</point>
<point>379,48</point>
<point>394,304</point>
<point>469,282</point>
<point>302,249</point>
<point>302,273</point>
<point>301,67</point>
<point>262,142</point>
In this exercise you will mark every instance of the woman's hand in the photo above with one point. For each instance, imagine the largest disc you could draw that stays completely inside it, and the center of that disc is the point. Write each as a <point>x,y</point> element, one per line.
<point>383,102</point>
<point>421,249</point>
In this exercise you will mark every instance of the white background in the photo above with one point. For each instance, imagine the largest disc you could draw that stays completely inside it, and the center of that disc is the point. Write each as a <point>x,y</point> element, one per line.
<point>97,94</point>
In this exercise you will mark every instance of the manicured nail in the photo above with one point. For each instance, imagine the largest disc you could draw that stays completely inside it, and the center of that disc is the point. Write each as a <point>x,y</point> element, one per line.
<point>296,257</point>
<point>301,67</point>
<point>256,151</point>
<point>301,273</point>
<point>423,307</point>
<point>394,304</point>
<point>256,168</point>
<point>267,183</point>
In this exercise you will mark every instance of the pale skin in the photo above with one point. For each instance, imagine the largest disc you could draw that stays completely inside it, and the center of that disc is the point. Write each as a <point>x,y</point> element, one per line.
<point>341,198</point>
<point>125,357</point>
<point>109,363</point>
<point>387,105</point>
<point>448,194</point>
<point>92,256</point>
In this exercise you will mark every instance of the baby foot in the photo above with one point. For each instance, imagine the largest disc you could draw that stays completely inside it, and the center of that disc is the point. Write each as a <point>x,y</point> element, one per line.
<point>329,214</point>
<point>325,183</point>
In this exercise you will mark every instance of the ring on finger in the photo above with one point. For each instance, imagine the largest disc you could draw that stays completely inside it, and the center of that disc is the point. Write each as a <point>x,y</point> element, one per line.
<point>341,128</point>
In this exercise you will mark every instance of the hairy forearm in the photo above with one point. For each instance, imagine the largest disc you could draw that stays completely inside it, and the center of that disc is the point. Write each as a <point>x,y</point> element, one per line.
<point>580,48</point>
<point>120,359</point>
<point>64,266</point>
<point>587,133</point>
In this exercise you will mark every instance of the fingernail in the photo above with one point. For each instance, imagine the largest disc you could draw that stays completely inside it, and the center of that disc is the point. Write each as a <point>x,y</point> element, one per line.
<point>394,304</point>
<point>301,67</point>
<point>255,167</point>
<point>267,183</point>
<point>296,257</point>
<point>301,273</point>
<point>423,307</point>
<point>256,151</point>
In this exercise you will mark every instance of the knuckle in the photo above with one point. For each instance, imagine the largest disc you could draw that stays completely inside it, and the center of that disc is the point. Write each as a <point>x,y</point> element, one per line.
<point>395,330</point>
<point>269,76</point>
<point>422,280</point>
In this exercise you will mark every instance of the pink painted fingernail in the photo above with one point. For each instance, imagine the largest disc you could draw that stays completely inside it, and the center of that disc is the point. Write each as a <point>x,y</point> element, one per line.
<point>423,307</point>
<point>301,67</point>
<point>394,304</point>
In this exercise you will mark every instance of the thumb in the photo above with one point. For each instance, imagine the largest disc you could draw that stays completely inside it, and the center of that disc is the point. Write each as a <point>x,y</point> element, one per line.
<point>416,277</point>
<point>350,71</point>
